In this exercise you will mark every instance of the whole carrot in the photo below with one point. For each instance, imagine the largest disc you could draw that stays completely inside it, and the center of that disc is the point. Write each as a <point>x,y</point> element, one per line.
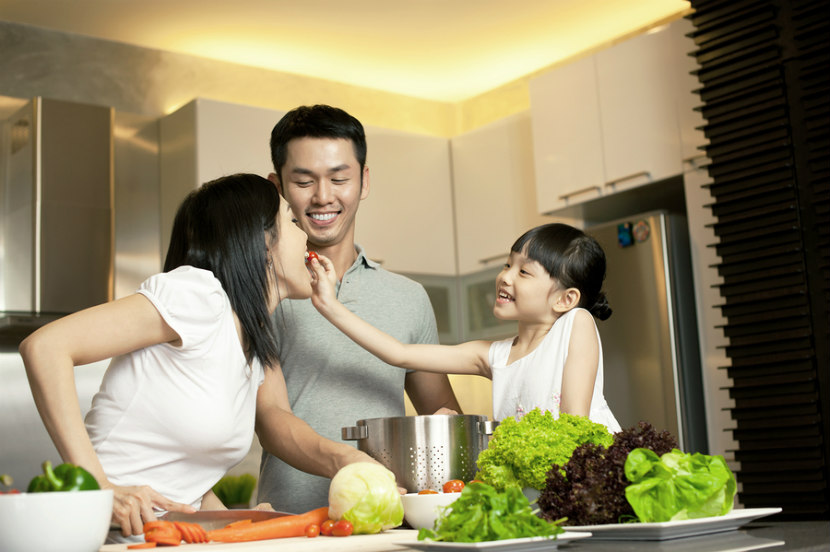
<point>276,528</point>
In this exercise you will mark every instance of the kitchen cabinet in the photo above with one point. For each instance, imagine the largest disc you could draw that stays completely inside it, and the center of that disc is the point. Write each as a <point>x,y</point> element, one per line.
<point>406,223</point>
<point>492,172</point>
<point>206,139</point>
<point>610,121</point>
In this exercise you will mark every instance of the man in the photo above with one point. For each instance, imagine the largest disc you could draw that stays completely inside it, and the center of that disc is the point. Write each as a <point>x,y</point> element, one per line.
<point>319,157</point>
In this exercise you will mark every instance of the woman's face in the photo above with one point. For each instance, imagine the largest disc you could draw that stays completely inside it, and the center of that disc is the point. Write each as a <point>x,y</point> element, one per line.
<point>288,254</point>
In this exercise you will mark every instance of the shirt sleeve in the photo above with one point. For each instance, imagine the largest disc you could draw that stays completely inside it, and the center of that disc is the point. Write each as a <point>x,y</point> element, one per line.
<point>427,330</point>
<point>190,300</point>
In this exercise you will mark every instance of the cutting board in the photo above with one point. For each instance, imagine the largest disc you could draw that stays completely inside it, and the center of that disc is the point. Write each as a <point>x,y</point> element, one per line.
<point>381,542</point>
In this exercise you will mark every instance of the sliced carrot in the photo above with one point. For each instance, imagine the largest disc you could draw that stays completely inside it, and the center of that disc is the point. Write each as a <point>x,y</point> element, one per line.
<point>191,532</point>
<point>276,528</point>
<point>164,533</point>
<point>141,545</point>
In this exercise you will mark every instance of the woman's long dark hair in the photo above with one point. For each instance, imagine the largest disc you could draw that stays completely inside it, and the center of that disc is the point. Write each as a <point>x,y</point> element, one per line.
<point>572,257</point>
<point>221,227</point>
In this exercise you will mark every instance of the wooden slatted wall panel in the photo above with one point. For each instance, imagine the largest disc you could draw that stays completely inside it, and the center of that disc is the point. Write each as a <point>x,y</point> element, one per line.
<point>765,90</point>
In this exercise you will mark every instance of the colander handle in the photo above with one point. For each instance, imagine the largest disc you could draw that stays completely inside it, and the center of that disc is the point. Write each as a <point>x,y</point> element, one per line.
<point>487,426</point>
<point>354,433</point>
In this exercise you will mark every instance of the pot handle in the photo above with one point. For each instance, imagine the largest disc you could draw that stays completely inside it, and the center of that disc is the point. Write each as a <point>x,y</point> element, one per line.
<point>354,433</point>
<point>488,426</point>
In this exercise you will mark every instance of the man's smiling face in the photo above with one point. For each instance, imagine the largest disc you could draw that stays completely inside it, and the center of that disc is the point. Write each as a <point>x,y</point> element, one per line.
<point>321,179</point>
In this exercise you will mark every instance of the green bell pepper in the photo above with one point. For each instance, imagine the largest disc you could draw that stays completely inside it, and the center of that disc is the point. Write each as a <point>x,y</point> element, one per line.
<point>66,477</point>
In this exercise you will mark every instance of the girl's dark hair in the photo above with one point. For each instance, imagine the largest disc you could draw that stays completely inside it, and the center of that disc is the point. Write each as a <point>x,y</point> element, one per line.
<point>220,227</point>
<point>571,256</point>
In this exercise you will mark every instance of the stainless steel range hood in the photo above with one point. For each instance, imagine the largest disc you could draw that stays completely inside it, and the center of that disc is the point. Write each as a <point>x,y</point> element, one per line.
<point>56,235</point>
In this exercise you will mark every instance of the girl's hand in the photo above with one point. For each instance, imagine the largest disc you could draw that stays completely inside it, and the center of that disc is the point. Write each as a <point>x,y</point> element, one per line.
<point>323,282</point>
<point>132,507</point>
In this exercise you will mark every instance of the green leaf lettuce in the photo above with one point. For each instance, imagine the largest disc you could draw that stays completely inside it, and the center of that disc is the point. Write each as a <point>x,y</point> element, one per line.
<point>678,485</point>
<point>521,452</point>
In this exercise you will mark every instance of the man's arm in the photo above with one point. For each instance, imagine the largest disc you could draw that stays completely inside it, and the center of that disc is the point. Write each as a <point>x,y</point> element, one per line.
<point>292,440</point>
<point>430,392</point>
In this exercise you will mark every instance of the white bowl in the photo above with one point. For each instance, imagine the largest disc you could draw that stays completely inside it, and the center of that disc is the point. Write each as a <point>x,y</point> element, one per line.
<point>75,521</point>
<point>422,510</point>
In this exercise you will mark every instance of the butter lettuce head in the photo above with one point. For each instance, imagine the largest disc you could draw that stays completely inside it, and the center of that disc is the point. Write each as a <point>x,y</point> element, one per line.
<point>366,494</point>
<point>520,453</point>
<point>678,485</point>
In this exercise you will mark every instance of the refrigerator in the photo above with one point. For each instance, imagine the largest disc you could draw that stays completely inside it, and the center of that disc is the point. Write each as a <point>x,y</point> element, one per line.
<point>652,367</point>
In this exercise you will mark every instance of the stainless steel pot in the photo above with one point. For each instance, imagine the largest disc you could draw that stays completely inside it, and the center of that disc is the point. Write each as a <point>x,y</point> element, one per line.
<point>424,452</point>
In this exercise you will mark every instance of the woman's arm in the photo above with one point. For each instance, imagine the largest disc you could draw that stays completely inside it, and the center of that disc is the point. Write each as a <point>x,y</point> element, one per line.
<point>580,372</point>
<point>50,355</point>
<point>465,358</point>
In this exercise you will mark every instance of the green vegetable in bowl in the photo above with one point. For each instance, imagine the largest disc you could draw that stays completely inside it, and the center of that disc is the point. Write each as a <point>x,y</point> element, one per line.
<point>678,485</point>
<point>366,494</point>
<point>482,513</point>
<point>521,452</point>
<point>66,477</point>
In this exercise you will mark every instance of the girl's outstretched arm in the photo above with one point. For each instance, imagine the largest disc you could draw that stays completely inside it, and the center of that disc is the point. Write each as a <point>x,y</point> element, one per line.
<point>465,358</point>
<point>581,366</point>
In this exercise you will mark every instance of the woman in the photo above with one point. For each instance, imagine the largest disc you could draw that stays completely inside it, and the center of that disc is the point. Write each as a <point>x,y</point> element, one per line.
<point>190,350</point>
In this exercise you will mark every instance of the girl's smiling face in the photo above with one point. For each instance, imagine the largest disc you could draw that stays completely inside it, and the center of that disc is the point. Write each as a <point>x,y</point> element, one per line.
<point>525,291</point>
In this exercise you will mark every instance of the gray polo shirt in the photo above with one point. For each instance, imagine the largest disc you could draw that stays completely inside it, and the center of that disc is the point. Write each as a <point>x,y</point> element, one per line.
<point>332,382</point>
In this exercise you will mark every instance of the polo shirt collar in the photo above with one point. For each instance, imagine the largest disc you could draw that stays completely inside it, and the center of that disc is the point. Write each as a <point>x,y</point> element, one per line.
<point>362,259</point>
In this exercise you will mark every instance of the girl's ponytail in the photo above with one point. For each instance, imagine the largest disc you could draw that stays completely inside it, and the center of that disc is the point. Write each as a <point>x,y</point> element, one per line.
<point>600,309</point>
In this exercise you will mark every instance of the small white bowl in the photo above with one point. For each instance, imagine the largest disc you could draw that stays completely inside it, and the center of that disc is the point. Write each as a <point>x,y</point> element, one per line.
<point>422,510</point>
<point>76,521</point>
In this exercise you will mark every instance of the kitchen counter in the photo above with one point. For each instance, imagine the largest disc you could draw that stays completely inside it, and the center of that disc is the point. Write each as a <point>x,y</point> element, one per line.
<point>804,536</point>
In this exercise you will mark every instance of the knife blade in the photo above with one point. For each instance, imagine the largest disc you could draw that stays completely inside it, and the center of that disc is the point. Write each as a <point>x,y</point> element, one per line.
<point>216,519</point>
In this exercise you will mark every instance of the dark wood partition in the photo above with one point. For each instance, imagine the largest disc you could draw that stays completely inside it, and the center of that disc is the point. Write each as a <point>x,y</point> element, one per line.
<point>765,93</point>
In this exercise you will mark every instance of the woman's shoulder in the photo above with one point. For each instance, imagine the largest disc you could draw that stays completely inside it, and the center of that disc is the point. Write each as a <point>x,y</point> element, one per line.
<point>185,286</point>
<point>184,275</point>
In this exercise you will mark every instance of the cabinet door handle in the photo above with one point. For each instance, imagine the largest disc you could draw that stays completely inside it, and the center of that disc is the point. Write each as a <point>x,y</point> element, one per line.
<point>616,181</point>
<point>565,197</point>
<point>694,160</point>
<point>489,260</point>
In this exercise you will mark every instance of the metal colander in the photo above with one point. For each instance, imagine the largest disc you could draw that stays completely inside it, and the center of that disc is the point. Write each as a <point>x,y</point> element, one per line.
<point>424,452</point>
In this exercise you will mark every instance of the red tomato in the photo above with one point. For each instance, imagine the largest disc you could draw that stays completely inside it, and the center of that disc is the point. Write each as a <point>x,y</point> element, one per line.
<point>342,528</point>
<point>427,491</point>
<point>312,530</point>
<point>312,255</point>
<point>326,528</point>
<point>453,486</point>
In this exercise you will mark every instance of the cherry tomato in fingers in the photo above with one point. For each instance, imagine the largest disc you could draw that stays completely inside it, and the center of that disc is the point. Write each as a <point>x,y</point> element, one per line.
<point>453,486</point>
<point>312,530</point>
<point>311,255</point>
<point>326,528</point>
<point>342,528</point>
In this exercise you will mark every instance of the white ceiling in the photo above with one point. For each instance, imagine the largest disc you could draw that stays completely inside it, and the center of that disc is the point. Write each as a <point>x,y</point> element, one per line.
<point>445,50</point>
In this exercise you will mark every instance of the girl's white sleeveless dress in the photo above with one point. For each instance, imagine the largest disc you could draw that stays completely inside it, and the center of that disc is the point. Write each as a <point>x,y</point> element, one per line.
<point>536,379</point>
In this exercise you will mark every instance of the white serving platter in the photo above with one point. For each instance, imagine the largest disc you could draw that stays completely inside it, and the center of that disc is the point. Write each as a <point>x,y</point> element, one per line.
<point>674,529</point>
<point>531,544</point>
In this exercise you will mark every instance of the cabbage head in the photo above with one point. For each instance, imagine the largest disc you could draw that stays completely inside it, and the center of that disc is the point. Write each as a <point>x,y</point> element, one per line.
<point>366,494</point>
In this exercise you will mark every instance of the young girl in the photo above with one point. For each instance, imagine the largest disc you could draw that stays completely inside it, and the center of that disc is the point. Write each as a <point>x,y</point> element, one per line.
<point>194,360</point>
<point>551,285</point>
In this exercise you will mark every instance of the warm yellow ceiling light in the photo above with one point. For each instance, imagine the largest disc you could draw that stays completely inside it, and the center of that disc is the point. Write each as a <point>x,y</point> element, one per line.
<point>445,50</point>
